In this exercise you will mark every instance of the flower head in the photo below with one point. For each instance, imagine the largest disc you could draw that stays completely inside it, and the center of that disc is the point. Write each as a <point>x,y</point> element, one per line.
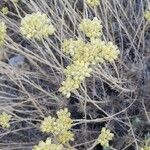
<point>145,148</point>
<point>60,127</point>
<point>47,125</point>
<point>48,145</point>
<point>147,15</point>
<point>68,86</point>
<point>65,137</point>
<point>91,28</point>
<point>105,137</point>
<point>78,70</point>
<point>63,122</point>
<point>85,55</point>
<point>71,46</point>
<point>15,1</point>
<point>75,74</point>
<point>93,3</point>
<point>4,10</point>
<point>36,25</point>
<point>110,52</point>
<point>146,145</point>
<point>95,51</point>
<point>2,33</point>
<point>4,120</point>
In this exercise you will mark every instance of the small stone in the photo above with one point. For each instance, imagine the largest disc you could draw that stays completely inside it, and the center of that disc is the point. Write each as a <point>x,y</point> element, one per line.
<point>17,61</point>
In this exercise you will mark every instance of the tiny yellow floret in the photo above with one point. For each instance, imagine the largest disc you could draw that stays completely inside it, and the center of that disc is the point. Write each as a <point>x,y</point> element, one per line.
<point>65,137</point>
<point>48,145</point>
<point>147,15</point>
<point>110,52</point>
<point>4,10</point>
<point>145,148</point>
<point>48,124</point>
<point>2,33</point>
<point>91,28</point>
<point>68,86</point>
<point>95,49</point>
<point>63,122</point>
<point>15,1</point>
<point>75,74</point>
<point>4,120</point>
<point>59,126</point>
<point>104,137</point>
<point>36,25</point>
<point>70,46</point>
<point>92,3</point>
<point>78,70</point>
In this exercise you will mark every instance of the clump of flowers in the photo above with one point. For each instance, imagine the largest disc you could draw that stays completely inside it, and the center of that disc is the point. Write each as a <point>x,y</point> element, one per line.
<point>48,145</point>
<point>15,1</point>
<point>65,137</point>
<point>78,70</point>
<point>104,137</point>
<point>64,121</point>
<point>36,25</point>
<point>59,126</point>
<point>145,148</point>
<point>4,10</point>
<point>110,52</point>
<point>92,3</point>
<point>70,46</point>
<point>146,145</point>
<point>95,49</point>
<point>48,124</point>
<point>86,55</point>
<point>2,33</point>
<point>75,74</point>
<point>91,28</point>
<point>147,15</point>
<point>68,86</point>
<point>4,120</point>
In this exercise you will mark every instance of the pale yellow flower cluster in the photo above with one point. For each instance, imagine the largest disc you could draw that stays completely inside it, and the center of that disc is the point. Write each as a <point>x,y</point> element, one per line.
<point>59,126</point>
<point>78,70</point>
<point>104,137</point>
<point>48,124</point>
<point>2,33</point>
<point>70,46</point>
<point>110,52</point>
<point>100,51</point>
<point>85,55</point>
<point>92,3</point>
<point>75,74</point>
<point>145,147</point>
<point>64,121</point>
<point>91,28</point>
<point>147,15</point>
<point>5,10</point>
<point>36,25</point>
<point>15,1</point>
<point>68,86</point>
<point>84,52</point>
<point>65,137</point>
<point>48,145</point>
<point>4,120</point>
